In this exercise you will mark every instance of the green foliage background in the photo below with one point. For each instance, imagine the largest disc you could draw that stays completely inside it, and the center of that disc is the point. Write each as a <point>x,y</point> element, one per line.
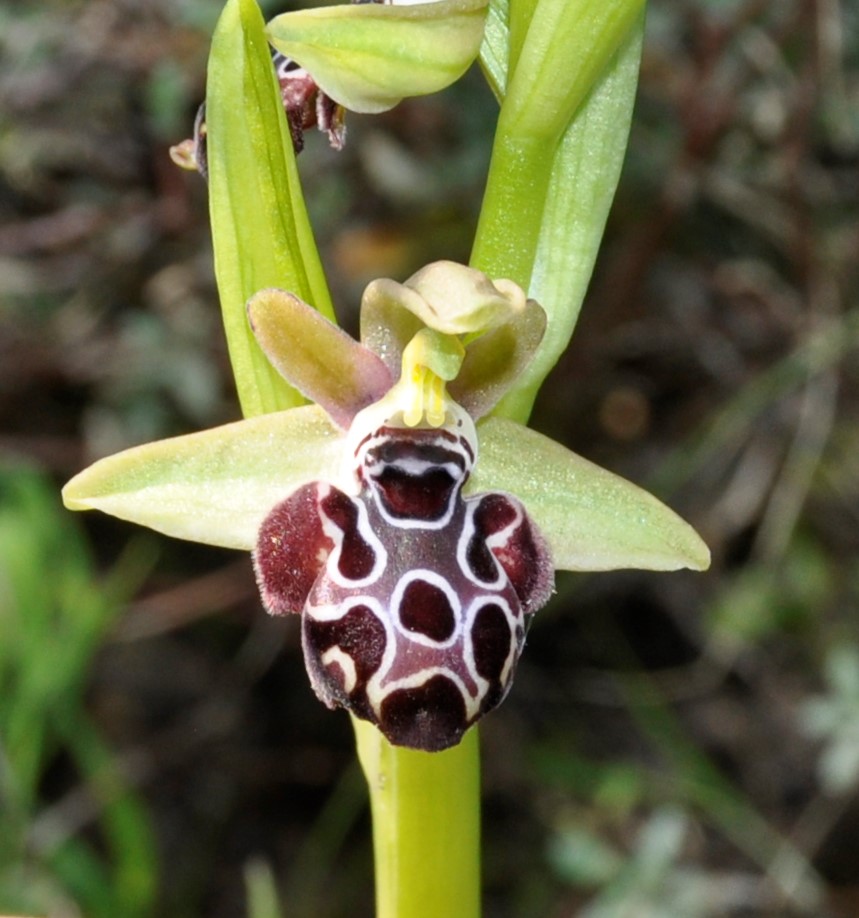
<point>675,745</point>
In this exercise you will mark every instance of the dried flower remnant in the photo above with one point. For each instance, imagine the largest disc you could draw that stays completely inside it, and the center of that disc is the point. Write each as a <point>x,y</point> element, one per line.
<point>304,103</point>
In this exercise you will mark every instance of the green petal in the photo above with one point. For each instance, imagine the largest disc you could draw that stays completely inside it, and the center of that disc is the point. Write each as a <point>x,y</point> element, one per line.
<point>387,327</point>
<point>215,486</point>
<point>494,361</point>
<point>324,363</point>
<point>368,57</point>
<point>592,519</point>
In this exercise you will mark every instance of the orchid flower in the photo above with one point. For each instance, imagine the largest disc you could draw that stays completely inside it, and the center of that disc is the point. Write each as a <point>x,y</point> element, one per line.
<point>415,534</point>
<point>412,526</point>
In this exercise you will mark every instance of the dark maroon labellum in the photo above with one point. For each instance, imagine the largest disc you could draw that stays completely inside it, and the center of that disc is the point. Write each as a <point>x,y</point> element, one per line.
<point>413,598</point>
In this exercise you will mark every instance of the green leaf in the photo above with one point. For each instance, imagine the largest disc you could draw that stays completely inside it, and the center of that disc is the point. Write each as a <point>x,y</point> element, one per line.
<point>592,519</point>
<point>260,230</point>
<point>368,57</point>
<point>215,486</point>
<point>494,50</point>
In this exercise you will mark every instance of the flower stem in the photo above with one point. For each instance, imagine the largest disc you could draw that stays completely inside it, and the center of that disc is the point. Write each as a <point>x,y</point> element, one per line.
<point>426,826</point>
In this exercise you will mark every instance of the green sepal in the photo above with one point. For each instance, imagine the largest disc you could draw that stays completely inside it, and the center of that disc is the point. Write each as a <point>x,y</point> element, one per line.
<point>368,57</point>
<point>325,364</point>
<point>260,229</point>
<point>215,486</point>
<point>592,519</point>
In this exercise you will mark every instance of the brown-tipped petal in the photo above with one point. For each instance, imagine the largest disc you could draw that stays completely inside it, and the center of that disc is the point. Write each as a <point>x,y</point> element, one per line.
<point>319,359</point>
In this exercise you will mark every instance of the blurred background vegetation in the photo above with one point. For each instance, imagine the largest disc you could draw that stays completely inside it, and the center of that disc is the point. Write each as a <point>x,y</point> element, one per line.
<point>675,745</point>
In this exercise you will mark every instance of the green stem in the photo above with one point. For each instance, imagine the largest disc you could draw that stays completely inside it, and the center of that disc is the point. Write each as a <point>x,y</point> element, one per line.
<point>426,826</point>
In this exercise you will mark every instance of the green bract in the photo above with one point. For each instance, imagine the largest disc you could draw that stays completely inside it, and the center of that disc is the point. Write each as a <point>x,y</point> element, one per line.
<point>218,485</point>
<point>260,230</point>
<point>368,57</point>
